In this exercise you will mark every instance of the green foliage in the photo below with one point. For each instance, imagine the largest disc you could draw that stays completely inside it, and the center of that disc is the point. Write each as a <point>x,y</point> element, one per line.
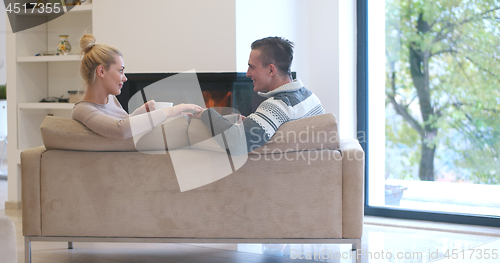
<point>401,133</point>
<point>3,92</point>
<point>459,44</point>
<point>402,164</point>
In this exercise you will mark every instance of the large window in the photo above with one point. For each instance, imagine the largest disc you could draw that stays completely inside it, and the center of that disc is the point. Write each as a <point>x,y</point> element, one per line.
<point>430,103</point>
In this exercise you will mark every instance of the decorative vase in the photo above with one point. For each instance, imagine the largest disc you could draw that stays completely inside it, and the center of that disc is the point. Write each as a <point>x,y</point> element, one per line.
<point>63,46</point>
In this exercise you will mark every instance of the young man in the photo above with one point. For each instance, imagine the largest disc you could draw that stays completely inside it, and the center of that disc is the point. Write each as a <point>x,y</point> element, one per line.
<point>269,67</point>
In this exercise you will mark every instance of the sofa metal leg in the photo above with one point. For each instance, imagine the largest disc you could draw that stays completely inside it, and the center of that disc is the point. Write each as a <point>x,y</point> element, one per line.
<point>27,250</point>
<point>356,245</point>
<point>70,245</point>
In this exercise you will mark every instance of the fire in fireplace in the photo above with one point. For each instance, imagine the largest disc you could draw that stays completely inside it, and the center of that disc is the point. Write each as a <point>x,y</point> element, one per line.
<point>218,98</point>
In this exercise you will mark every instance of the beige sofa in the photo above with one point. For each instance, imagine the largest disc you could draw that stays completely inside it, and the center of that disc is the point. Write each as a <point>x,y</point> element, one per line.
<point>81,186</point>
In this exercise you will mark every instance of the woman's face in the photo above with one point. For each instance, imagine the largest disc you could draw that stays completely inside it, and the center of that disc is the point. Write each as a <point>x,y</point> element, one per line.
<point>114,77</point>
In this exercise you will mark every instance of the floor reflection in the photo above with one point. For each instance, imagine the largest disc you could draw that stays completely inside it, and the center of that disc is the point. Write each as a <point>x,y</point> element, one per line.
<point>377,243</point>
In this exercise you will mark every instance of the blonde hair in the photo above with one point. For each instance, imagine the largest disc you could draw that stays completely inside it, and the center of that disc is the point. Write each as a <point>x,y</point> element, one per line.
<point>94,55</point>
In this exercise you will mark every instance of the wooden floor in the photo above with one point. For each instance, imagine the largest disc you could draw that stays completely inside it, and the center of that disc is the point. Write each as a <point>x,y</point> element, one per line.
<point>422,241</point>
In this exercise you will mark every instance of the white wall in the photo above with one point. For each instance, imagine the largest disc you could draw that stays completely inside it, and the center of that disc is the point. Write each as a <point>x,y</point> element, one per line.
<point>3,75</point>
<point>323,52</point>
<point>376,101</point>
<point>3,128</point>
<point>263,18</point>
<point>3,60</point>
<point>169,36</point>
<point>347,68</point>
<point>283,18</point>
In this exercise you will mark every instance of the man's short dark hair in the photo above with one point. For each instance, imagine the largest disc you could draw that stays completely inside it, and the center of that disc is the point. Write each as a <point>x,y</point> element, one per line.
<point>277,51</point>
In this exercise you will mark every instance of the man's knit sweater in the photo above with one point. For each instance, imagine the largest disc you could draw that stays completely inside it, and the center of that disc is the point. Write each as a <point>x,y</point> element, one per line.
<point>288,102</point>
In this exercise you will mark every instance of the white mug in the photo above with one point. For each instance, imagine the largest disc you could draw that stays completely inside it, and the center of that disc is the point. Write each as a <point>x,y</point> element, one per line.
<point>163,105</point>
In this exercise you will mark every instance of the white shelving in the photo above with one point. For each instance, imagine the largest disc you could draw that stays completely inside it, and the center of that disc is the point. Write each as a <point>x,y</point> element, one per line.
<point>46,105</point>
<point>32,78</point>
<point>48,58</point>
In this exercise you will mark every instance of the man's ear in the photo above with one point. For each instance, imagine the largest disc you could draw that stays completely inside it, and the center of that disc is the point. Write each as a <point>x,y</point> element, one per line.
<point>272,70</point>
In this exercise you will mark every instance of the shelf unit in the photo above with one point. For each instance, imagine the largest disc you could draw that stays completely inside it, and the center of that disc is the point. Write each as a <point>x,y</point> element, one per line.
<point>45,105</point>
<point>32,78</point>
<point>70,57</point>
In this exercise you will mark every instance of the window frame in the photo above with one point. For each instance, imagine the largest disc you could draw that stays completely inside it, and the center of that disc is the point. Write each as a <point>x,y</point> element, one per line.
<point>362,75</point>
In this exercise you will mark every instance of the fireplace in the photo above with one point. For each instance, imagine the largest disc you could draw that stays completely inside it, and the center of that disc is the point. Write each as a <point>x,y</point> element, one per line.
<point>218,98</point>
<point>230,90</point>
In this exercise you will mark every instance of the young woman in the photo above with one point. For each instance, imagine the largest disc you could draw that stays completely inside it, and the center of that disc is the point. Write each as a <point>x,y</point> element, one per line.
<point>102,69</point>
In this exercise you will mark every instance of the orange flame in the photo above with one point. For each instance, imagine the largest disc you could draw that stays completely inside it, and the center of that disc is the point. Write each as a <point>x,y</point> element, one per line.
<point>217,98</point>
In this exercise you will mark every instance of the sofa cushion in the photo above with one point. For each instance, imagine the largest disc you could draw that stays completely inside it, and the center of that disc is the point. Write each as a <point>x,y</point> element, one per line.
<point>315,132</point>
<point>67,134</point>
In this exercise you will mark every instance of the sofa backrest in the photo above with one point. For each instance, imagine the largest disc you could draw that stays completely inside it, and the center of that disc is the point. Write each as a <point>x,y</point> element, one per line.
<point>311,133</point>
<point>316,132</point>
<point>67,134</point>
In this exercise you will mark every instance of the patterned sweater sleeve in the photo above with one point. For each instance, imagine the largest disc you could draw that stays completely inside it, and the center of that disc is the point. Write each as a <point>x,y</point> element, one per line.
<point>254,135</point>
<point>271,114</point>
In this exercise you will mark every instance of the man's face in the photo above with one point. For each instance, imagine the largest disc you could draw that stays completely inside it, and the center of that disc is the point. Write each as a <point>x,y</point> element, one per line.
<point>260,75</point>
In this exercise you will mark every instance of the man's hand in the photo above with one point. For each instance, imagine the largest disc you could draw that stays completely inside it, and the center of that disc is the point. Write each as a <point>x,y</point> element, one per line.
<point>197,115</point>
<point>240,117</point>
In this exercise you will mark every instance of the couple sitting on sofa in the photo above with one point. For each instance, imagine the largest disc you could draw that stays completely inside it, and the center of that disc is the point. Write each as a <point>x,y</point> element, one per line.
<point>269,66</point>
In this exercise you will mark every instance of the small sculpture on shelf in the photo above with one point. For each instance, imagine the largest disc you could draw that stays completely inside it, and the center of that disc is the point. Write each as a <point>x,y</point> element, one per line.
<point>55,99</point>
<point>63,46</point>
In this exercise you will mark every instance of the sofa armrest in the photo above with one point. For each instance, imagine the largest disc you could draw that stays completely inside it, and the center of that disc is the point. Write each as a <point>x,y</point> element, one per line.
<point>353,177</point>
<point>30,179</point>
